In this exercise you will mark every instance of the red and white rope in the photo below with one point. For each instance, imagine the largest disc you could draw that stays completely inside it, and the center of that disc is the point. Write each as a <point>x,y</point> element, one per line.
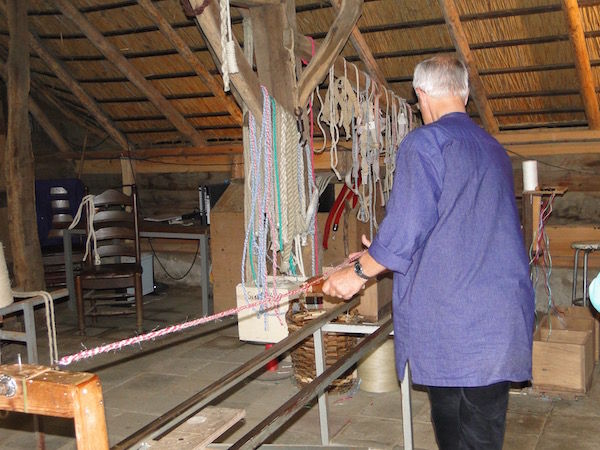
<point>90,353</point>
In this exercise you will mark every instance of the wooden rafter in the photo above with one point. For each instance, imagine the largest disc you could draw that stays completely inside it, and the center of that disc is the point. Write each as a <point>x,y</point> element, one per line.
<point>364,52</point>
<point>70,11</point>
<point>43,92</point>
<point>40,116</point>
<point>245,81</point>
<point>461,44</point>
<point>253,3</point>
<point>329,50</point>
<point>303,49</point>
<point>582,63</point>
<point>86,100</point>
<point>191,58</point>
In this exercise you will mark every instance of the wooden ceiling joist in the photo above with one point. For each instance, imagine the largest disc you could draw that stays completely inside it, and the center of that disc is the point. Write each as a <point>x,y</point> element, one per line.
<point>582,63</point>
<point>86,100</point>
<point>191,58</point>
<point>348,14</point>
<point>461,43</point>
<point>245,81</point>
<point>364,52</point>
<point>303,49</point>
<point>130,71</point>
<point>42,119</point>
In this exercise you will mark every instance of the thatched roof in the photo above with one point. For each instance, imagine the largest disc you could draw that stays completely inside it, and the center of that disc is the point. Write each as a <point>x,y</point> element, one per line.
<point>521,49</point>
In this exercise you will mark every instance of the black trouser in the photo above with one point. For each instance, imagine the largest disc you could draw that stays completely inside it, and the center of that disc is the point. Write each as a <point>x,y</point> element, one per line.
<point>469,418</point>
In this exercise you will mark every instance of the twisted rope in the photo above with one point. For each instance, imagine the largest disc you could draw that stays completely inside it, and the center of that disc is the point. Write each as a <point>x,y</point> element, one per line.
<point>50,319</point>
<point>88,201</point>
<point>272,300</point>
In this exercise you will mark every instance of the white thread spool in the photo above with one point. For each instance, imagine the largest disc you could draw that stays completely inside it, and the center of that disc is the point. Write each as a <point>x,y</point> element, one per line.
<point>530,175</point>
<point>6,297</point>
<point>377,371</point>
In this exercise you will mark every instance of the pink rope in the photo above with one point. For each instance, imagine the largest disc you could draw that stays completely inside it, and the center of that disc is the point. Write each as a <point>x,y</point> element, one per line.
<point>90,353</point>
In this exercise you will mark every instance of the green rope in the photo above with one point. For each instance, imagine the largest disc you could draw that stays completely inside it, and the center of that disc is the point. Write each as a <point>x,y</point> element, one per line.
<point>276,168</point>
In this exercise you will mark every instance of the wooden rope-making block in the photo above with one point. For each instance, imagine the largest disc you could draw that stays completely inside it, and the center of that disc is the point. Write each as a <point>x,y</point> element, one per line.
<point>42,390</point>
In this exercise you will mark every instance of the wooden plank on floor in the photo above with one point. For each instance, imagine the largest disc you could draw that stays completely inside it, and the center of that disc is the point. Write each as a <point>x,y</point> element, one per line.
<point>200,430</point>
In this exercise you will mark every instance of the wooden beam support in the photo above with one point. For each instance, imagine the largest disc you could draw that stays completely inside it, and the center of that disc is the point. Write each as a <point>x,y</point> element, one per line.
<point>245,81</point>
<point>67,112</point>
<point>548,135</point>
<point>40,117</point>
<point>303,49</point>
<point>582,63</point>
<point>461,44</point>
<point>329,49</point>
<point>271,35</point>
<point>191,58</point>
<point>254,3</point>
<point>69,10</point>
<point>364,52</point>
<point>18,157</point>
<point>86,100</point>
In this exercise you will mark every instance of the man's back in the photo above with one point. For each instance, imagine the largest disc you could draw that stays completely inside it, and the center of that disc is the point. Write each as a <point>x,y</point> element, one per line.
<point>465,303</point>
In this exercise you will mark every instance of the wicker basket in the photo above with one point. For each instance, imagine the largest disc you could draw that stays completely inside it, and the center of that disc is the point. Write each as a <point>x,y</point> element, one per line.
<point>336,346</point>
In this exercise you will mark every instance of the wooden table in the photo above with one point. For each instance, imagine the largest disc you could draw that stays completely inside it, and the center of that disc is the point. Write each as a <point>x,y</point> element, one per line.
<point>157,230</point>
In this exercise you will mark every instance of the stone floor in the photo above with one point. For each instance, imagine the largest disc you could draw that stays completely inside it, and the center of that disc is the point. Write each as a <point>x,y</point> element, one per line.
<point>140,384</point>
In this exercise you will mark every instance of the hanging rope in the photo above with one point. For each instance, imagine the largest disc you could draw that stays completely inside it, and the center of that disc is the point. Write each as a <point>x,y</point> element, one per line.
<point>50,319</point>
<point>88,203</point>
<point>228,61</point>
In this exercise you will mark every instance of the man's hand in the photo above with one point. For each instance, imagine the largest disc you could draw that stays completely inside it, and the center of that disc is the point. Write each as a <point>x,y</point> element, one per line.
<point>343,284</point>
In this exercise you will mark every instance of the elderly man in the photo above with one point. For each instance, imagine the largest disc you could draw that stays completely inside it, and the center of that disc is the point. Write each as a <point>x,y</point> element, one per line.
<point>463,303</point>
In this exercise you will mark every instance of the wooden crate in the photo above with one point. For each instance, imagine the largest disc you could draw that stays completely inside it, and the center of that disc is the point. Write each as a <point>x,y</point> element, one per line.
<point>592,316</point>
<point>575,318</point>
<point>563,360</point>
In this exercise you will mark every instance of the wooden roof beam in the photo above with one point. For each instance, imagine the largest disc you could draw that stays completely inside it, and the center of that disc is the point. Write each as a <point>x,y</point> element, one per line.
<point>191,58</point>
<point>329,50</point>
<point>303,49</point>
<point>582,63</point>
<point>364,52</point>
<point>461,44</point>
<point>245,81</point>
<point>86,100</point>
<point>40,116</point>
<point>69,10</point>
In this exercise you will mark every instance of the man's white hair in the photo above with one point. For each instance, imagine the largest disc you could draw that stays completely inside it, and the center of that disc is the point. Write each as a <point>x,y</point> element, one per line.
<point>442,76</point>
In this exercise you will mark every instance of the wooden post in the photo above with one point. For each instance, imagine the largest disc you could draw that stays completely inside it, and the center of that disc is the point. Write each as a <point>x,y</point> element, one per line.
<point>587,85</point>
<point>274,63</point>
<point>18,161</point>
<point>461,44</point>
<point>41,390</point>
